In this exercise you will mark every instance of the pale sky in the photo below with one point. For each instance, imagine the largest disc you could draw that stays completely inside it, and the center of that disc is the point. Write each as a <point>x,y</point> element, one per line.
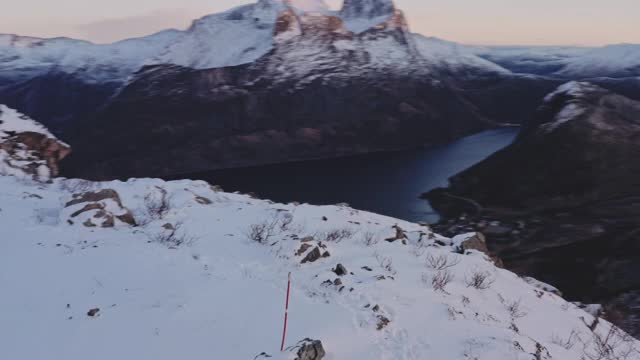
<point>492,22</point>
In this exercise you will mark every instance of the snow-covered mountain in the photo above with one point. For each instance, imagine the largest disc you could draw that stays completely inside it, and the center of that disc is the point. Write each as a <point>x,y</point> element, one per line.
<point>168,270</point>
<point>309,96</point>
<point>234,37</point>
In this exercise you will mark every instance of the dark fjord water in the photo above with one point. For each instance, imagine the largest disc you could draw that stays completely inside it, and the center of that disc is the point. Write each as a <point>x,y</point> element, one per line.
<point>384,183</point>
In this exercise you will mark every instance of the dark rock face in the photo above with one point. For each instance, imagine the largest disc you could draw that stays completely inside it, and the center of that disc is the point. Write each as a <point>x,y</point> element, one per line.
<point>56,99</point>
<point>566,194</point>
<point>312,256</point>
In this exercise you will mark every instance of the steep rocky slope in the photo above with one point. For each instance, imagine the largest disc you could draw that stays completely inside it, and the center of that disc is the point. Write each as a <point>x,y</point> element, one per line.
<point>566,194</point>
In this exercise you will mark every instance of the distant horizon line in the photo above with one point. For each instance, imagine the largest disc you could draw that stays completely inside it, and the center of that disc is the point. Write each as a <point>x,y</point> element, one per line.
<point>479,44</point>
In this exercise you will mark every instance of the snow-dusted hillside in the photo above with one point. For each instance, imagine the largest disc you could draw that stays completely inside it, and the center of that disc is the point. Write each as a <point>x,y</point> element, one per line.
<point>621,60</point>
<point>189,282</point>
<point>453,56</point>
<point>615,61</point>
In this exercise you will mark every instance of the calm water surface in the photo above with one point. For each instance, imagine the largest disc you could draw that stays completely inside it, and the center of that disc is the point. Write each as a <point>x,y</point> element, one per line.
<point>385,183</point>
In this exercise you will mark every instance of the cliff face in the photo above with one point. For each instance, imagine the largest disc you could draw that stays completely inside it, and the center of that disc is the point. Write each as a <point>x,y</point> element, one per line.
<point>27,149</point>
<point>566,195</point>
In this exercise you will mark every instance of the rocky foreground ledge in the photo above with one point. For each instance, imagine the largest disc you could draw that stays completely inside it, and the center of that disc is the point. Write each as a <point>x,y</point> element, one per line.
<point>562,202</point>
<point>165,270</point>
<point>28,149</point>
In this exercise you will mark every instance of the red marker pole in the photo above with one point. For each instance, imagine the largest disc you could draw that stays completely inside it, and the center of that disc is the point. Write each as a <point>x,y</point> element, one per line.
<point>286,314</point>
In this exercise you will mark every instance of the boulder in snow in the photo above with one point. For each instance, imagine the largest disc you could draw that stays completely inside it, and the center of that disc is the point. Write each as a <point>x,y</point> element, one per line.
<point>100,208</point>
<point>309,349</point>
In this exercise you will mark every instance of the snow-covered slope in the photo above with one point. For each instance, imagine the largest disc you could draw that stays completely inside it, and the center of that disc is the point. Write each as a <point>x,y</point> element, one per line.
<point>28,149</point>
<point>237,36</point>
<point>621,60</point>
<point>454,56</point>
<point>189,282</point>
<point>615,61</point>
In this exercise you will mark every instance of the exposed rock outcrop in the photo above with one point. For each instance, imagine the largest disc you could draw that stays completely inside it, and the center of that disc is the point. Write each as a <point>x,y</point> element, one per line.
<point>27,148</point>
<point>101,208</point>
<point>309,349</point>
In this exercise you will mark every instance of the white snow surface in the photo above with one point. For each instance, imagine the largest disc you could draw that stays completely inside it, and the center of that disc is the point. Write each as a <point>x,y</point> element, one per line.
<point>220,295</point>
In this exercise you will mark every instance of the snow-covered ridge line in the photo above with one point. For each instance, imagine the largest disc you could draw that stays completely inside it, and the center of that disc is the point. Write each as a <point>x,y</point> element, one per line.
<point>246,33</point>
<point>201,270</point>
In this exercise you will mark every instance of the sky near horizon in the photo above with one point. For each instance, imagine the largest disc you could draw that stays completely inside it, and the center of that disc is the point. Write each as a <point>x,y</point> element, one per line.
<point>490,22</point>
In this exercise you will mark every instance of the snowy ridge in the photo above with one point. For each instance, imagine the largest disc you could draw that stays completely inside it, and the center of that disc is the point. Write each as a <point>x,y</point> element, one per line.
<point>621,60</point>
<point>204,289</point>
<point>616,61</point>
<point>447,54</point>
<point>234,37</point>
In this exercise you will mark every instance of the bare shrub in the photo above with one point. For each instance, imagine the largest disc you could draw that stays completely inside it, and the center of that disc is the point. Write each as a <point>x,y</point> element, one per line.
<point>481,280</point>
<point>614,345</point>
<point>441,262</point>
<point>174,236</point>
<point>514,309</point>
<point>441,279</point>
<point>77,186</point>
<point>285,221</point>
<point>157,204</point>
<point>262,231</point>
<point>386,263</point>
<point>419,248</point>
<point>370,238</point>
<point>337,235</point>
<point>568,343</point>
